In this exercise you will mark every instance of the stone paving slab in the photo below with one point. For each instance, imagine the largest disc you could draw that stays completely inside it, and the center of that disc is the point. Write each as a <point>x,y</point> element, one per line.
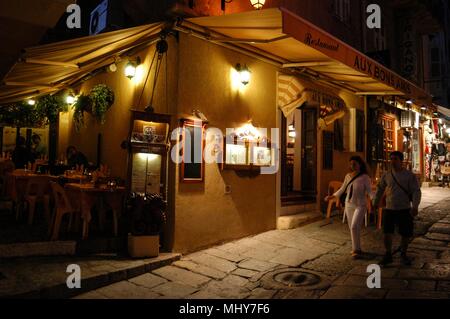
<point>183,276</point>
<point>409,294</point>
<point>46,276</point>
<point>346,292</point>
<point>254,264</point>
<point>148,280</point>
<point>212,261</point>
<point>437,236</point>
<point>174,290</point>
<point>200,269</point>
<point>246,273</point>
<point>224,255</point>
<point>126,290</point>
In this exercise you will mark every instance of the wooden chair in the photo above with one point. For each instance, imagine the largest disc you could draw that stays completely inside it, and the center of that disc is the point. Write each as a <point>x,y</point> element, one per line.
<point>62,207</point>
<point>333,186</point>
<point>37,190</point>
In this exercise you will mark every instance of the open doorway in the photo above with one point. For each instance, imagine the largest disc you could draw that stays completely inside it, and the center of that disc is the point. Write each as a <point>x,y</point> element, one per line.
<point>299,157</point>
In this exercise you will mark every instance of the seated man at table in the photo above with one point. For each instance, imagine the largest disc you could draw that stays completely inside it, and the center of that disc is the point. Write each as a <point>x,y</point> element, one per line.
<point>75,157</point>
<point>21,155</point>
<point>37,148</point>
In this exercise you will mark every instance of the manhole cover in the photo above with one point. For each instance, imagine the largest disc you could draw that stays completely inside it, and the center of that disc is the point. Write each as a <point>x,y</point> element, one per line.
<point>294,278</point>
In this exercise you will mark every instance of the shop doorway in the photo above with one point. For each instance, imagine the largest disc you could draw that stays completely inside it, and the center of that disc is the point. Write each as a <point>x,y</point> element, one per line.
<point>298,157</point>
<point>309,152</point>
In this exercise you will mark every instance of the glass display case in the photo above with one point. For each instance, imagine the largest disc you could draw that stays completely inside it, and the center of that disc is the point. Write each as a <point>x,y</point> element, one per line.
<point>245,155</point>
<point>148,145</point>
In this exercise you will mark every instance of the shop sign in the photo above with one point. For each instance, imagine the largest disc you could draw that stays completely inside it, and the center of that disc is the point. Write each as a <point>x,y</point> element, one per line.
<point>408,49</point>
<point>381,74</point>
<point>314,37</point>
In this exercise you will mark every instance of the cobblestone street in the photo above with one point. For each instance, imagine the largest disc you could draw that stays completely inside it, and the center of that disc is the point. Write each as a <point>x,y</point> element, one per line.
<point>309,262</point>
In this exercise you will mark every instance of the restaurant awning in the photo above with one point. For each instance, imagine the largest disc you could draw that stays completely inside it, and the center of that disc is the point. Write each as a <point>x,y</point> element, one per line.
<point>292,94</point>
<point>49,68</point>
<point>293,42</point>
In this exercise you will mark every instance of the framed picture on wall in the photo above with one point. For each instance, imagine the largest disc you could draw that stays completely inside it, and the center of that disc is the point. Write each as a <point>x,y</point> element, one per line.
<point>192,168</point>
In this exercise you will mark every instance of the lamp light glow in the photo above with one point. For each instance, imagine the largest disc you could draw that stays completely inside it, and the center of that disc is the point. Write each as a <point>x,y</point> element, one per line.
<point>131,68</point>
<point>31,102</point>
<point>70,99</point>
<point>244,73</point>
<point>257,4</point>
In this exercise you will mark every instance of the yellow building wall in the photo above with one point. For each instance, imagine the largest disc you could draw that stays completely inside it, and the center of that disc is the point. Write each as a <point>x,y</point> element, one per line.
<point>205,215</point>
<point>127,96</point>
<point>340,158</point>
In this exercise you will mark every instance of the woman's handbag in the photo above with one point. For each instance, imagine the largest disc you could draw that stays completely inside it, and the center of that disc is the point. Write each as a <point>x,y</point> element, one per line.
<point>344,195</point>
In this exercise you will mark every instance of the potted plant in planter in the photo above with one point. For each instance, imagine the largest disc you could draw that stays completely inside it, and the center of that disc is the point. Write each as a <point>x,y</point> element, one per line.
<point>147,217</point>
<point>102,97</point>
<point>81,105</point>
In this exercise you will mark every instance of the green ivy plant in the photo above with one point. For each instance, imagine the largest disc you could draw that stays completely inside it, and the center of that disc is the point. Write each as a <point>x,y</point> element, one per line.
<point>21,114</point>
<point>49,106</point>
<point>102,98</point>
<point>81,105</point>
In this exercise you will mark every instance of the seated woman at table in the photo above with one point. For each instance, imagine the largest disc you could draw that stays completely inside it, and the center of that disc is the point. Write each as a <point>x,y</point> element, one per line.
<point>21,155</point>
<point>75,157</point>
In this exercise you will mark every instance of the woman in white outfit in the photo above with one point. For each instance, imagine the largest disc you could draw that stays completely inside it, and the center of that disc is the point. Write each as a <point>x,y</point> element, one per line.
<point>357,184</point>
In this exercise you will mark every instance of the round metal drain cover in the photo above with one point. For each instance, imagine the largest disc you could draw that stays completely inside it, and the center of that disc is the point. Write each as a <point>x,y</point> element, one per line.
<point>294,278</point>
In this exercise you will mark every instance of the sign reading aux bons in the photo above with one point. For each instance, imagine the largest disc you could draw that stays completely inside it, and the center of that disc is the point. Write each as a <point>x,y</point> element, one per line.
<point>380,73</point>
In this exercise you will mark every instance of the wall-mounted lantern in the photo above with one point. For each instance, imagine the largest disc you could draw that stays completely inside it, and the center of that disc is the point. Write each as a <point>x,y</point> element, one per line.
<point>244,73</point>
<point>258,4</point>
<point>131,67</point>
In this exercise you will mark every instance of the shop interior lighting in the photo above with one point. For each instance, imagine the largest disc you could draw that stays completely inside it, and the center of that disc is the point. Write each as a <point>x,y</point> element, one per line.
<point>244,73</point>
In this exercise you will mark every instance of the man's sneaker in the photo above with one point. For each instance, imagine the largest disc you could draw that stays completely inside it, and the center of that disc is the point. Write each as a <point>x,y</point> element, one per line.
<point>387,259</point>
<point>406,261</point>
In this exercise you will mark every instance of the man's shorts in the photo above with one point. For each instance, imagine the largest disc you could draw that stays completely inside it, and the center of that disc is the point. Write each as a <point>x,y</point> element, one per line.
<point>401,218</point>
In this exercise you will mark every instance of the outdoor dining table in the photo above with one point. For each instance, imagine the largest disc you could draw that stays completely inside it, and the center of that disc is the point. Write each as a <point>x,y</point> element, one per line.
<point>85,196</point>
<point>16,183</point>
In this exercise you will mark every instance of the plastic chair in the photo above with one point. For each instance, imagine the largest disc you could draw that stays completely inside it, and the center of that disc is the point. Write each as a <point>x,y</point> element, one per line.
<point>62,207</point>
<point>333,186</point>
<point>37,190</point>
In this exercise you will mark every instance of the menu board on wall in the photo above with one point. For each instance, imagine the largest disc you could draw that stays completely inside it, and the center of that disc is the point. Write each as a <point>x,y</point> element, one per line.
<point>146,175</point>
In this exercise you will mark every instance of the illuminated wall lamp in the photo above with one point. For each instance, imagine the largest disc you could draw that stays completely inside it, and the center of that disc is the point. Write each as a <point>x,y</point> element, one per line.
<point>257,4</point>
<point>31,102</point>
<point>244,73</point>
<point>130,68</point>
<point>70,99</point>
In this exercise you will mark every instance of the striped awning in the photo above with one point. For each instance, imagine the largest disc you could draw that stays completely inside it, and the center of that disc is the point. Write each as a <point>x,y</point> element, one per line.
<point>292,94</point>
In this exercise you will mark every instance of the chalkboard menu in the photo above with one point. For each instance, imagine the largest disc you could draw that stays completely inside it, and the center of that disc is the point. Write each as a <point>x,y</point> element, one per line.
<point>192,165</point>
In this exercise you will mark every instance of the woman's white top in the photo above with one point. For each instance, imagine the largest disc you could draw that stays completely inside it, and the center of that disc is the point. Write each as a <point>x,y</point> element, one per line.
<point>361,186</point>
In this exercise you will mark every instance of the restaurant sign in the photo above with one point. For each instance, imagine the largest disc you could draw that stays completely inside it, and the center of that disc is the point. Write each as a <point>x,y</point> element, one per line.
<point>335,49</point>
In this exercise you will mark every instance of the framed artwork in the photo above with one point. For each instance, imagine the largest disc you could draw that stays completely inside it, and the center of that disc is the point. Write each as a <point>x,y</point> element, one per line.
<point>193,144</point>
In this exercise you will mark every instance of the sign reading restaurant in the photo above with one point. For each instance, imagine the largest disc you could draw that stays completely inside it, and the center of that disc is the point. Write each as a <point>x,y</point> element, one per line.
<point>337,50</point>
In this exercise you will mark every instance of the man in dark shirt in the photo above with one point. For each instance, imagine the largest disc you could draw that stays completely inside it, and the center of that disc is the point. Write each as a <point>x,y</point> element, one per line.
<point>75,157</point>
<point>21,155</point>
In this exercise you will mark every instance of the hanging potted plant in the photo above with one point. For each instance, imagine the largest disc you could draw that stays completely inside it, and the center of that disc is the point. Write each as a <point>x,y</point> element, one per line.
<point>81,105</point>
<point>49,106</point>
<point>147,216</point>
<point>102,98</point>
